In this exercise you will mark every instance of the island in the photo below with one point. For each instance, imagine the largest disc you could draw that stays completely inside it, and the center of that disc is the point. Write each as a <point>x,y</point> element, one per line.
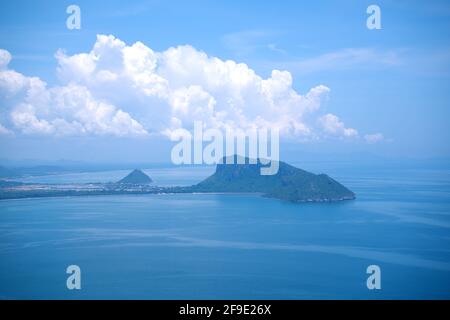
<point>136,177</point>
<point>244,176</point>
<point>290,183</point>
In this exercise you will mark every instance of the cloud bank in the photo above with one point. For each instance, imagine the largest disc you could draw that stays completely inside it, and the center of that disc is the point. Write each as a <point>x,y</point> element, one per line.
<point>131,90</point>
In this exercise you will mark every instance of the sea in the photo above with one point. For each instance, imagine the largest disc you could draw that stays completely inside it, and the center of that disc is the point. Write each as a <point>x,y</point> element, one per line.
<point>232,246</point>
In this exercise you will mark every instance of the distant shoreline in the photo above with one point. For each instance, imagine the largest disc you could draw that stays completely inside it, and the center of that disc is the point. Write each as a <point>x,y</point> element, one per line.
<point>288,184</point>
<point>256,194</point>
<point>40,194</point>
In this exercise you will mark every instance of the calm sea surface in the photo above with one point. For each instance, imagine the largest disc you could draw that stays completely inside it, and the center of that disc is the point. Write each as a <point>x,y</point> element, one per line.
<point>231,246</point>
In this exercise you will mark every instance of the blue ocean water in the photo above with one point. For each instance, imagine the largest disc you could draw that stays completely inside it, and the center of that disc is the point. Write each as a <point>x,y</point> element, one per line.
<point>233,246</point>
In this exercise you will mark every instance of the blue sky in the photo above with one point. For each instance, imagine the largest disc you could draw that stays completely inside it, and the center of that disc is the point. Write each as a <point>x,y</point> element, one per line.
<point>393,81</point>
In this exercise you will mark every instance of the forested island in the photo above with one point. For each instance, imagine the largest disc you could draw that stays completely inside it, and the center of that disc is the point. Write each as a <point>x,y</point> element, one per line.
<point>289,183</point>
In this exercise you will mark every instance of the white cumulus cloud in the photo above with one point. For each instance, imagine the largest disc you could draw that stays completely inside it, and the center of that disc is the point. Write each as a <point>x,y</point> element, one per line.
<point>33,108</point>
<point>374,138</point>
<point>332,125</point>
<point>132,90</point>
<point>5,58</point>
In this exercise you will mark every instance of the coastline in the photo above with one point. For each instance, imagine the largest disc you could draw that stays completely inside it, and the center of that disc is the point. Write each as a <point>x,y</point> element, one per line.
<point>37,194</point>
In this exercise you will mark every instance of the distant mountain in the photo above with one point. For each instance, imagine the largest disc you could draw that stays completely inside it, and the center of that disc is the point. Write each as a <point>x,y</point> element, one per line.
<point>136,177</point>
<point>289,183</point>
